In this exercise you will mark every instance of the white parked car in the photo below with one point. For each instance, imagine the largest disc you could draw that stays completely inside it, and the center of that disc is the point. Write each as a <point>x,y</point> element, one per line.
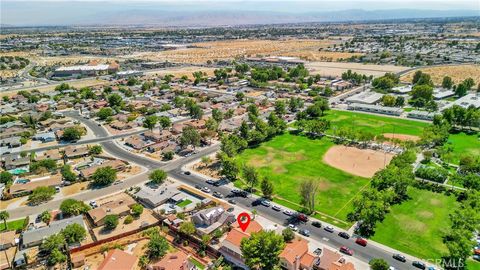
<point>288,212</point>
<point>293,227</point>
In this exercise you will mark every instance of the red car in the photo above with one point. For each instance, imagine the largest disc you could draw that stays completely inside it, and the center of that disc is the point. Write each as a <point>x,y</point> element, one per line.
<point>362,242</point>
<point>346,250</point>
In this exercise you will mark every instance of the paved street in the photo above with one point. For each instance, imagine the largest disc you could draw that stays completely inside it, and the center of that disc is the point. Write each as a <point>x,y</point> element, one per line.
<point>174,169</point>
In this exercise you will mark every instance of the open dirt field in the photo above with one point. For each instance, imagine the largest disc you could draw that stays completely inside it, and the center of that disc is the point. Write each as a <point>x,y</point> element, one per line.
<point>401,137</point>
<point>457,73</point>
<point>231,49</point>
<point>361,162</point>
<point>337,68</point>
<point>181,71</point>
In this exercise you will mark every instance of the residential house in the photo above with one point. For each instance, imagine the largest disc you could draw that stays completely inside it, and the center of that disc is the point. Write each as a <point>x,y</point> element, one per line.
<point>35,236</point>
<point>115,164</point>
<point>117,259</point>
<point>49,154</point>
<point>230,247</point>
<point>295,255</point>
<point>120,207</point>
<point>157,136</point>
<point>173,261</point>
<point>332,260</point>
<point>26,186</point>
<point>135,142</point>
<point>11,142</point>
<point>76,152</point>
<point>12,162</point>
<point>121,125</point>
<point>45,137</point>
<point>208,220</point>
<point>156,197</point>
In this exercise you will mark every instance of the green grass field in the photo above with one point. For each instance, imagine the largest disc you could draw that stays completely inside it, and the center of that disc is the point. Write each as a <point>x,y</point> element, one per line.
<point>417,226</point>
<point>288,159</point>
<point>12,225</point>
<point>184,203</point>
<point>473,265</point>
<point>464,144</point>
<point>375,123</point>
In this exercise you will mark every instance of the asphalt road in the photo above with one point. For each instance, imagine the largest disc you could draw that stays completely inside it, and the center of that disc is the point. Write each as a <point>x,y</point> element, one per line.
<point>174,169</point>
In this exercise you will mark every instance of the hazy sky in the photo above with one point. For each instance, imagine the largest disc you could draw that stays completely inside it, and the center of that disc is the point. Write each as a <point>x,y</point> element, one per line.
<point>63,12</point>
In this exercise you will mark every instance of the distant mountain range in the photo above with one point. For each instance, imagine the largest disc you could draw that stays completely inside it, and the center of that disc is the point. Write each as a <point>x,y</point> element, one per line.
<point>191,14</point>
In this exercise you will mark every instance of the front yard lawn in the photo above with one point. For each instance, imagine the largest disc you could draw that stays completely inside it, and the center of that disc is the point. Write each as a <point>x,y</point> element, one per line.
<point>12,225</point>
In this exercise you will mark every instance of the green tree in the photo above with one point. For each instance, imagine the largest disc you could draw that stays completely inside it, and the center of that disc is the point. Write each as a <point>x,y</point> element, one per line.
<point>6,178</point>
<point>55,241</point>
<point>104,176</point>
<point>168,155</point>
<point>95,150</point>
<point>45,216</point>
<point>41,194</point>
<point>4,215</point>
<point>150,122</point>
<point>229,168</point>
<point>308,191</point>
<point>217,115</point>
<point>157,247</point>
<point>137,210</point>
<point>261,250</point>
<point>280,107</point>
<point>190,136</point>
<point>267,188</point>
<point>72,207</point>
<point>111,222</point>
<point>56,256</point>
<point>379,264</point>
<point>157,176</point>
<point>447,82</point>
<point>74,233</point>
<point>72,134</point>
<point>164,121</point>
<point>187,228</point>
<point>114,100</point>
<point>104,113</point>
<point>288,235</point>
<point>250,175</point>
<point>461,90</point>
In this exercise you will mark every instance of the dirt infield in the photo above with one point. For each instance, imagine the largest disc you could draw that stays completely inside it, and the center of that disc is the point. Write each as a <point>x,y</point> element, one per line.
<point>361,162</point>
<point>401,137</point>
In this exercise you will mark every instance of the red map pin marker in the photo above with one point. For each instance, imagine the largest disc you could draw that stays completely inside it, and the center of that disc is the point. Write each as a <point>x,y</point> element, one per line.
<point>243,220</point>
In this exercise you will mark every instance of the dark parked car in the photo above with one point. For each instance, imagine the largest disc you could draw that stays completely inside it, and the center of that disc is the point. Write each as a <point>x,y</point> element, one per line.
<point>362,242</point>
<point>257,202</point>
<point>232,201</point>
<point>217,194</point>
<point>198,187</point>
<point>344,235</point>
<point>419,265</point>
<point>399,257</point>
<point>230,209</point>
<point>317,224</point>
<point>210,182</point>
<point>304,232</point>
<point>302,217</point>
<point>187,173</point>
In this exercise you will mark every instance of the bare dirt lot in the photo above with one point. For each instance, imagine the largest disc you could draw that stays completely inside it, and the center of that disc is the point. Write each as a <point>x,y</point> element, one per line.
<point>337,68</point>
<point>361,162</point>
<point>401,137</point>
<point>182,71</point>
<point>230,49</point>
<point>457,73</point>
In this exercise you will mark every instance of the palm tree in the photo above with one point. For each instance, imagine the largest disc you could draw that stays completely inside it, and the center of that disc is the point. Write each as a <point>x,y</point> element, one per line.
<point>4,215</point>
